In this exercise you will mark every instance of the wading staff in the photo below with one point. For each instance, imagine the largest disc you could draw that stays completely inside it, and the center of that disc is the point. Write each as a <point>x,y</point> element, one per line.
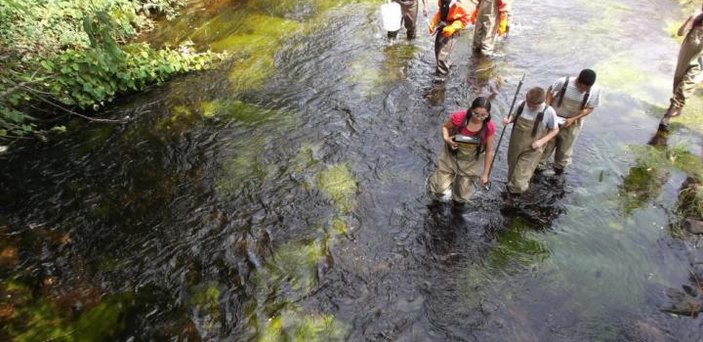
<point>510,113</point>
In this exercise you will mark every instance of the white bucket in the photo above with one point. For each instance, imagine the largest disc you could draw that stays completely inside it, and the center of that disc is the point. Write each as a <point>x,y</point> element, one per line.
<point>390,12</point>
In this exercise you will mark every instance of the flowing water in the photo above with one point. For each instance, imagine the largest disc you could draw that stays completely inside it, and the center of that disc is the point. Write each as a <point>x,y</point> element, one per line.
<point>281,196</point>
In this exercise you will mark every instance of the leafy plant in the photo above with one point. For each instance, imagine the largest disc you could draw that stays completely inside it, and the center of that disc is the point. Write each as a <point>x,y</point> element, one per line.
<point>70,53</point>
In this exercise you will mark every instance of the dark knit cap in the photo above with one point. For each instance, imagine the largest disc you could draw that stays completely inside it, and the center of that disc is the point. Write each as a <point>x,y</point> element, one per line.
<point>587,77</point>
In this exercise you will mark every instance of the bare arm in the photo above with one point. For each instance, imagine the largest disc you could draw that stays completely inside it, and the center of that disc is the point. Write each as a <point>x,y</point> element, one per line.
<point>545,139</point>
<point>425,8</point>
<point>549,97</point>
<point>447,129</point>
<point>487,159</point>
<point>685,27</point>
<point>583,113</point>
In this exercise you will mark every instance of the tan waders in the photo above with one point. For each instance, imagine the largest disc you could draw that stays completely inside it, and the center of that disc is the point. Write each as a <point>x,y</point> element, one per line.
<point>454,172</point>
<point>562,146</point>
<point>522,158</point>
<point>443,47</point>
<point>485,30</point>
<point>687,75</point>
<point>408,9</point>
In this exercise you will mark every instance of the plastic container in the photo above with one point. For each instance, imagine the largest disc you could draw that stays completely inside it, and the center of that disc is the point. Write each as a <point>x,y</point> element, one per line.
<point>390,13</point>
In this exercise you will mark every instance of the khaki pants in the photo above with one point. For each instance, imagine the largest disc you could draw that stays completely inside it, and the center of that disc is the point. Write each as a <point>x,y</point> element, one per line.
<point>522,158</point>
<point>688,69</point>
<point>443,47</point>
<point>408,9</point>
<point>485,30</point>
<point>562,146</point>
<point>454,172</point>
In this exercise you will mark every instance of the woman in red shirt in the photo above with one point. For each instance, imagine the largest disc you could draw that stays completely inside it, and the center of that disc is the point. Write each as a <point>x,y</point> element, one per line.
<point>468,143</point>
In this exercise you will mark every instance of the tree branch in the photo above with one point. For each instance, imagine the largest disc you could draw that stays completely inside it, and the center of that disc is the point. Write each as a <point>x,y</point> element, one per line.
<point>51,103</point>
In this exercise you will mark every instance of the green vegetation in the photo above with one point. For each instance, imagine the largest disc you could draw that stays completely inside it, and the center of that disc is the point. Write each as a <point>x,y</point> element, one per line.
<point>645,179</point>
<point>67,54</point>
<point>339,183</point>
<point>31,319</point>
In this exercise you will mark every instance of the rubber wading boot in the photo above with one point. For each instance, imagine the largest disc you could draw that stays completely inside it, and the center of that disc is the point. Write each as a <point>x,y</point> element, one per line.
<point>674,110</point>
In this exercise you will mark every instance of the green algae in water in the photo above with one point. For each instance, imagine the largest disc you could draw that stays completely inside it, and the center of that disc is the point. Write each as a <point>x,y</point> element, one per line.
<point>258,35</point>
<point>41,321</point>
<point>245,168</point>
<point>104,320</point>
<point>338,227</point>
<point>181,117</point>
<point>517,246</point>
<point>646,178</point>
<point>209,109</point>
<point>339,183</point>
<point>251,73</point>
<point>291,325</point>
<point>305,159</point>
<point>622,72</point>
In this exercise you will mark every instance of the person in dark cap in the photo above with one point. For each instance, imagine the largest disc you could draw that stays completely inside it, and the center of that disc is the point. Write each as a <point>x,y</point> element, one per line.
<point>573,98</point>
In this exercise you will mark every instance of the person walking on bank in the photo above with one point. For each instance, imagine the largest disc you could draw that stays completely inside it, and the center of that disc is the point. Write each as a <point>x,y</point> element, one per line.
<point>572,99</point>
<point>448,21</point>
<point>688,68</point>
<point>535,125</point>
<point>408,10</point>
<point>491,20</point>
<point>468,136</point>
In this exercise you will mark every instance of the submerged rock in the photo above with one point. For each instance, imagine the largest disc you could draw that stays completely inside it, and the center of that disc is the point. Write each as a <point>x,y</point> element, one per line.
<point>693,226</point>
<point>687,302</point>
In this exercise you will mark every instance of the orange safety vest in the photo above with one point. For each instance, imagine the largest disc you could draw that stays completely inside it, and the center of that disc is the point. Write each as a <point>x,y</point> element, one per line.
<point>457,11</point>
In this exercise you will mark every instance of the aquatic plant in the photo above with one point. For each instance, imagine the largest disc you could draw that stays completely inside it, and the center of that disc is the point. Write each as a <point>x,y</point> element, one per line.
<point>339,184</point>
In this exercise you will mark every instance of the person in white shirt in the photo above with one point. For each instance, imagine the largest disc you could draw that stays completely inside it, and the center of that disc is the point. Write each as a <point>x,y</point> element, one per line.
<point>573,98</point>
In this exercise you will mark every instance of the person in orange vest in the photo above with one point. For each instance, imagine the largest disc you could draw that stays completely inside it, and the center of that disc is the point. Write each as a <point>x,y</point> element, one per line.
<point>688,68</point>
<point>491,20</point>
<point>409,11</point>
<point>449,20</point>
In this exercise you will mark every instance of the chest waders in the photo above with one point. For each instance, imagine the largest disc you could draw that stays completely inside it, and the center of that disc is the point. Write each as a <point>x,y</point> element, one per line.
<point>522,125</point>
<point>495,153</point>
<point>562,147</point>
<point>562,92</point>
<point>470,147</point>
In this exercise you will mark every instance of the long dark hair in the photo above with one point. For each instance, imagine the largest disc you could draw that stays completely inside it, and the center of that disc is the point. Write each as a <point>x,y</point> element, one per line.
<point>479,102</point>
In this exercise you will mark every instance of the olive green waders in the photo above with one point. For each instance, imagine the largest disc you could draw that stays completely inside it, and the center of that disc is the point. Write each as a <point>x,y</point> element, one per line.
<point>563,144</point>
<point>689,67</point>
<point>485,30</point>
<point>454,172</point>
<point>443,47</point>
<point>522,158</point>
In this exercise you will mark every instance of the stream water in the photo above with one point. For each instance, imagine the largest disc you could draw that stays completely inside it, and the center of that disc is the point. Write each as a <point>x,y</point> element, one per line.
<point>281,196</point>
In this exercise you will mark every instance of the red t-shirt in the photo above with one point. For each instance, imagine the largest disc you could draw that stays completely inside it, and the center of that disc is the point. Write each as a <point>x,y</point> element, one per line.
<point>458,118</point>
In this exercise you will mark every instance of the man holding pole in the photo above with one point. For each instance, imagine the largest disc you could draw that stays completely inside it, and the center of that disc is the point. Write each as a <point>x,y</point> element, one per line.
<point>535,124</point>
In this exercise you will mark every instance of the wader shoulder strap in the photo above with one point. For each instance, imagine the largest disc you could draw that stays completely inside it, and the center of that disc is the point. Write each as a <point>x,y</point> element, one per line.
<point>538,119</point>
<point>586,97</point>
<point>519,110</point>
<point>562,91</point>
